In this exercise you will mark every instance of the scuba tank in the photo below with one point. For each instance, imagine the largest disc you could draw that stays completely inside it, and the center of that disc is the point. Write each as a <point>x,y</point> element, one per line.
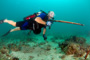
<point>34,15</point>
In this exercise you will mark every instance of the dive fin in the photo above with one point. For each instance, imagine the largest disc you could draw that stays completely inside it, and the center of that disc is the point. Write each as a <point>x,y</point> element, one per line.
<point>6,33</point>
<point>1,21</point>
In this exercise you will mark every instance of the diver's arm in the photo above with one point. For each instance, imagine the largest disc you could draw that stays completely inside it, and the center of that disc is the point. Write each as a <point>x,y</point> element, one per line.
<point>39,20</point>
<point>44,31</point>
<point>44,36</point>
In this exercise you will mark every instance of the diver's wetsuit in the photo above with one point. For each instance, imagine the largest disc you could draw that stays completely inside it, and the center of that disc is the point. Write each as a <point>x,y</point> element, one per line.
<point>24,25</point>
<point>32,24</point>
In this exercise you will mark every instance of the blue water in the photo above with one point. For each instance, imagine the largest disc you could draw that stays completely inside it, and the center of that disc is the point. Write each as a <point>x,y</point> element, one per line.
<point>67,10</point>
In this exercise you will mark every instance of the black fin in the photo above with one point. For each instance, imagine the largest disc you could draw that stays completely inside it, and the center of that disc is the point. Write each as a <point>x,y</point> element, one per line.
<point>1,21</point>
<point>6,33</point>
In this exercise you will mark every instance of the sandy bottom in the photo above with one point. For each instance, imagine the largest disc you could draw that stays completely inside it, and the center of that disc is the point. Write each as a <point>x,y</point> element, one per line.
<point>38,49</point>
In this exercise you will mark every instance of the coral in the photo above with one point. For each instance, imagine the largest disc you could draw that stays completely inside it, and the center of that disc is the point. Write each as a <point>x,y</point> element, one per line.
<point>4,50</point>
<point>76,39</point>
<point>72,48</point>
<point>75,45</point>
<point>62,57</point>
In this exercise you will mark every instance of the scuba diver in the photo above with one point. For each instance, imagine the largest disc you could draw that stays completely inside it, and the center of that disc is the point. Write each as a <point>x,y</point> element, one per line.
<point>33,22</point>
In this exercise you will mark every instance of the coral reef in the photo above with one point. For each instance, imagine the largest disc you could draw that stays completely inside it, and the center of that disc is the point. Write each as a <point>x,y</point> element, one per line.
<point>75,45</point>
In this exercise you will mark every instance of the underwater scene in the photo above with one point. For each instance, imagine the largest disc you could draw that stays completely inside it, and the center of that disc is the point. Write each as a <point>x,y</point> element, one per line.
<point>44,29</point>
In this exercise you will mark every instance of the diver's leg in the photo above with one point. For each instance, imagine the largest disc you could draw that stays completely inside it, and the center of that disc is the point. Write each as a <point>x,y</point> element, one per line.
<point>10,22</point>
<point>15,29</point>
<point>11,30</point>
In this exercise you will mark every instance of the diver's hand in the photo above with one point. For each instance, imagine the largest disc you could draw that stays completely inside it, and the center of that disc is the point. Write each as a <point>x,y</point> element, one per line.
<point>44,36</point>
<point>48,23</point>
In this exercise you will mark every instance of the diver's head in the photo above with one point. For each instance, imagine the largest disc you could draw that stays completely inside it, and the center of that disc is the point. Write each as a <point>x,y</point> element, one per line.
<point>37,31</point>
<point>51,14</point>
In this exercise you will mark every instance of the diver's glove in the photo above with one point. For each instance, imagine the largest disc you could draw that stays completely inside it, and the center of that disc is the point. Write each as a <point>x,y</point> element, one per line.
<point>49,23</point>
<point>44,36</point>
